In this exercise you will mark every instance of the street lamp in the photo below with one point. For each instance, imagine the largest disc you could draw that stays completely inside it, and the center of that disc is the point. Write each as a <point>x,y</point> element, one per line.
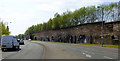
<point>7,25</point>
<point>102,25</point>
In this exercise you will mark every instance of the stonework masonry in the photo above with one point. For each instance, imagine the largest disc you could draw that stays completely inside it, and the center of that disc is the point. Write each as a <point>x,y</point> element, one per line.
<point>84,33</point>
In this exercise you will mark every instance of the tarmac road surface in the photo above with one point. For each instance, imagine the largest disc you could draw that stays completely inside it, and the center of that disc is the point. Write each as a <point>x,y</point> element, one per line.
<point>27,51</point>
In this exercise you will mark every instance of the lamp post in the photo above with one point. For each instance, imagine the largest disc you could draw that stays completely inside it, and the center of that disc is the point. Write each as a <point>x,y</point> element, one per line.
<point>7,25</point>
<point>102,26</point>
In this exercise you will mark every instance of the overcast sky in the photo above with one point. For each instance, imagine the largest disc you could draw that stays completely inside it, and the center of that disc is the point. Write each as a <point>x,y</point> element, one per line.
<point>25,13</point>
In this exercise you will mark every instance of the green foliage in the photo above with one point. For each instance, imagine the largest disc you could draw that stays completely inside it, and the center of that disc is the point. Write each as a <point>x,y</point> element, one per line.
<point>49,24</point>
<point>0,29</point>
<point>3,29</point>
<point>20,36</point>
<point>67,19</point>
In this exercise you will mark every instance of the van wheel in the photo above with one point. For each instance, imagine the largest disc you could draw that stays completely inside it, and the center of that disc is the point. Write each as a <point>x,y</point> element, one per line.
<point>3,49</point>
<point>17,47</point>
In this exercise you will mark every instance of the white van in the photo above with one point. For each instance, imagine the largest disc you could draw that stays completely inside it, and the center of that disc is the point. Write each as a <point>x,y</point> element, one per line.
<point>9,41</point>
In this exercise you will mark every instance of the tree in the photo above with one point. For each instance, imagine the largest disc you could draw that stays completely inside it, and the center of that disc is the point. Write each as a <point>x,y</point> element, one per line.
<point>49,25</point>
<point>4,30</point>
<point>80,16</point>
<point>20,36</point>
<point>55,23</point>
<point>0,29</point>
<point>91,14</point>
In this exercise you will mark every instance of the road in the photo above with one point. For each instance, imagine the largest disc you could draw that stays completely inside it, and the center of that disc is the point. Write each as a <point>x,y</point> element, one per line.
<point>51,50</point>
<point>27,51</point>
<point>0,55</point>
<point>88,52</point>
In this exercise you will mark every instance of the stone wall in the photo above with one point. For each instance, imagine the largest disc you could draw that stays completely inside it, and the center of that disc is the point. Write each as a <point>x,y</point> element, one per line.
<point>84,33</point>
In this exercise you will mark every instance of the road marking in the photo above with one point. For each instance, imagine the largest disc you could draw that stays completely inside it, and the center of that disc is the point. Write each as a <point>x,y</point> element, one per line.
<point>83,53</point>
<point>90,52</point>
<point>87,55</point>
<point>107,57</point>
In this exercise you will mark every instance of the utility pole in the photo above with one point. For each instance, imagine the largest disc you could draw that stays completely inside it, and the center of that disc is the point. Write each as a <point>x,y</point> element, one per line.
<point>102,29</point>
<point>102,26</point>
<point>7,25</point>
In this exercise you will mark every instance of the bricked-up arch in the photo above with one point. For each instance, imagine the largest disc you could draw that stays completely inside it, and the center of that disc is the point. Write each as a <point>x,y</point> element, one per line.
<point>82,40</point>
<point>86,34</point>
<point>91,30</point>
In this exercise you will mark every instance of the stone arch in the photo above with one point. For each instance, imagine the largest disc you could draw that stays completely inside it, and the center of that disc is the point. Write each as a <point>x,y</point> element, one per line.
<point>82,37</point>
<point>83,33</point>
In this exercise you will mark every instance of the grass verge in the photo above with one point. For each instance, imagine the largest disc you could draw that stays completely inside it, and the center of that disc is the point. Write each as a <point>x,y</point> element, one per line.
<point>111,46</point>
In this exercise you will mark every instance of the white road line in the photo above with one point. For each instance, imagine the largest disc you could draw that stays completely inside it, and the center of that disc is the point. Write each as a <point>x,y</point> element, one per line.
<point>90,52</point>
<point>87,55</point>
<point>83,53</point>
<point>107,57</point>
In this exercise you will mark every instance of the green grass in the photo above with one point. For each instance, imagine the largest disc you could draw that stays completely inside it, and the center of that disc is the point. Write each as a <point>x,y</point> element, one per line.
<point>111,46</point>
